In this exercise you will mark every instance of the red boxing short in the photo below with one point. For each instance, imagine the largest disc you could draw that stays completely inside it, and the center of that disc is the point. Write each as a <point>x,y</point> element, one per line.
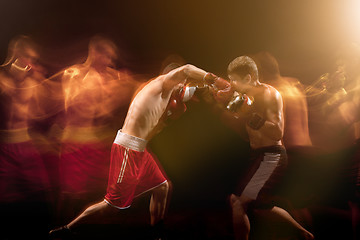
<point>133,171</point>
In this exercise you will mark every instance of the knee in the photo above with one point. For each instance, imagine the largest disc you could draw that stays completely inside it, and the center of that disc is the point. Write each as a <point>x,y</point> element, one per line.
<point>237,204</point>
<point>163,188</point>
<point>234,201</point>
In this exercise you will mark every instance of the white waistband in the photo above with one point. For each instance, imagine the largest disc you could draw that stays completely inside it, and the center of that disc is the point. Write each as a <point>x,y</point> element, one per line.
<point>132,142</point>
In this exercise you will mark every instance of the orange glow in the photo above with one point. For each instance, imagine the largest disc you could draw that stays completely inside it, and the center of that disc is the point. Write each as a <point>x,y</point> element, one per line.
<point>94,91</point>
<point>296,129</point>
<point>22,170</point>
<point>352,18</point>
<point>20,80</point>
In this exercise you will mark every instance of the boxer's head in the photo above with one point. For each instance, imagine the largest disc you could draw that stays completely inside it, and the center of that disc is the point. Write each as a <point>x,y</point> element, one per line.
<point>268,66</point>
<point>23,52</point>
<point>243,73</point>
<point>23,57</point>
<point>102,52</point>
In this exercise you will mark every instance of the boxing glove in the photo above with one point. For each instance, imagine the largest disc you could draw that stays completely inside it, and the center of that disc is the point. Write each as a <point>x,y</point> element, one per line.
<point>239,103</point>
<point>222,91</point>
<point>175,108</point>
<point>186,93</point>
<point>209,79</point>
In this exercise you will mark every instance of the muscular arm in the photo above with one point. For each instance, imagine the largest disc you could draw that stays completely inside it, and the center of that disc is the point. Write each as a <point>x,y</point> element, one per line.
<point>186,73</point>
<point>194,74</point>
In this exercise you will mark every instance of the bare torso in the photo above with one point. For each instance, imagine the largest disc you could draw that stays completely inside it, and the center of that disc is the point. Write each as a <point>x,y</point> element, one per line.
<point>16,97</point>
<point>268,104</point>
<point>16,104</point>
<point>146,109</point>
<point>91,97</point>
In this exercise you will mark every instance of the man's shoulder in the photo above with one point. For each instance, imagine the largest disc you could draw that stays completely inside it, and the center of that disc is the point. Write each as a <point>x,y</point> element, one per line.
<point>6,82</point>
<point>147,85</point>
<point>115,73</point>
<point>271,94</point>
<point>269,88</point>
<point>291,80</point>
<point>75,70</point>
<point>4,76</point>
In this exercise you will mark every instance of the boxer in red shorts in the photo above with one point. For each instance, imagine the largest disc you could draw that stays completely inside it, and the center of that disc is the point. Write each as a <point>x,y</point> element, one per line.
<point>133,170</point>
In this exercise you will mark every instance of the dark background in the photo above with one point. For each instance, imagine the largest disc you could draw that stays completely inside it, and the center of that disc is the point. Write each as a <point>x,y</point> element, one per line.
<point>303,35</point>
<point>199,153</point>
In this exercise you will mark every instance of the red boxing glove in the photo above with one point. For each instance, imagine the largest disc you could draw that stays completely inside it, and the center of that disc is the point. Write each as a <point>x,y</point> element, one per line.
<point>221,84</point>
<point>210,78</point>
<point>186,93</point>
<point>175,108</point>
<point>222,91</point>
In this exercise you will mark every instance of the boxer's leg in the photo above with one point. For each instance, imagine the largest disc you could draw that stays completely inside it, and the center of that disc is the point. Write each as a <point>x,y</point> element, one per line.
<point>159,202</point>
<point>93,214</point>
<point>281,215</point>
<point>241,223</point>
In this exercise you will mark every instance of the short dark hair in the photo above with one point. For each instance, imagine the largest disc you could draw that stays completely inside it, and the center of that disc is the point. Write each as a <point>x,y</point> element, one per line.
<point>242,66</point>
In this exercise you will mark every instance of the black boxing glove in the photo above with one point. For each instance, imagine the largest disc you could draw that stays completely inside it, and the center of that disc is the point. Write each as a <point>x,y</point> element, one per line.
<point>239,102</point>
<point>255,121</point>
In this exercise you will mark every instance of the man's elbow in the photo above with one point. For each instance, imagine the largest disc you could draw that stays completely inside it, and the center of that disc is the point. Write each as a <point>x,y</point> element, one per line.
<point>186,68</point>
